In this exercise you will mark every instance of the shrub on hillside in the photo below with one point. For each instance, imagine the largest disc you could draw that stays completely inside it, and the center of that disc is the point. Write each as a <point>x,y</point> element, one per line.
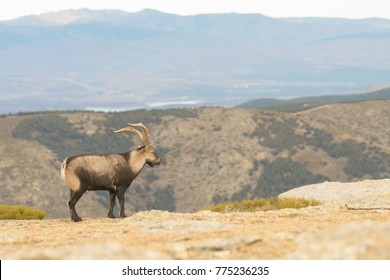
<point>20,212</point>
<point>262,204</point>
<point>282,175</point>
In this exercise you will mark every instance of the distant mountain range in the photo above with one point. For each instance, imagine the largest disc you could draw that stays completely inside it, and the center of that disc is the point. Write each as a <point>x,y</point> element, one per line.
<point>113,60</point>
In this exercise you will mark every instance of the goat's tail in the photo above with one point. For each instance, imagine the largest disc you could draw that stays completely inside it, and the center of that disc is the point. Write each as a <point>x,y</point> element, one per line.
<point>63,168</point>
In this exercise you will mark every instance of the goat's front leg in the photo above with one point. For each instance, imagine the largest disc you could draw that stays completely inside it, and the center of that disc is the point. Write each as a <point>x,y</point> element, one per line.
<point>112,204</point>
<point>121,198</point>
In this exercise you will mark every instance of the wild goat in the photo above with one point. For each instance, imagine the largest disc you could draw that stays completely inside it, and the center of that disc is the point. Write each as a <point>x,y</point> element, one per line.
<point>111,172</point>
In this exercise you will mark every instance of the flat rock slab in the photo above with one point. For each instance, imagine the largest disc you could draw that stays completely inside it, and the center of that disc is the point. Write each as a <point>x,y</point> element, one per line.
<point>162,221</point>
<point>363,240</point>
<point>328,231</point>
<point>368,194</point>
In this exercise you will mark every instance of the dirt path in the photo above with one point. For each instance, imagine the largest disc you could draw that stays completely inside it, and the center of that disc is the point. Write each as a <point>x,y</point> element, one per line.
<point>329,231</point>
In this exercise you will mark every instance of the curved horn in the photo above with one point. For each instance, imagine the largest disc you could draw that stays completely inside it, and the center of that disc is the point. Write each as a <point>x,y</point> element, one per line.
<point>145,133</point>
<point>130,129</point>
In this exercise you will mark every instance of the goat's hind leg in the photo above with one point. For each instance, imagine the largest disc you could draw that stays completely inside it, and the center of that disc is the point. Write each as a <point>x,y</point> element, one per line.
<point>74,197</point>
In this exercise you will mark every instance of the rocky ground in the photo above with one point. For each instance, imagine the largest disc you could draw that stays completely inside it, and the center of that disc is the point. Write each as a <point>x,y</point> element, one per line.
<point>353,223</point>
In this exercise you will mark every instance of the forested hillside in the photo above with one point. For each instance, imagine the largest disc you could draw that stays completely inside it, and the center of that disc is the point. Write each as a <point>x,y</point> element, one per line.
<point>208,154</point>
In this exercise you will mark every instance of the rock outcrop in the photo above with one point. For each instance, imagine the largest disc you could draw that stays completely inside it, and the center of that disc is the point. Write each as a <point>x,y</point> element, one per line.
<point>368,194</point>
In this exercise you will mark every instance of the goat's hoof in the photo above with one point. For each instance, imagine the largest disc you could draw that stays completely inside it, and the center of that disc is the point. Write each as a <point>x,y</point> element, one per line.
<point>111,216</point>
<point>76,219</point>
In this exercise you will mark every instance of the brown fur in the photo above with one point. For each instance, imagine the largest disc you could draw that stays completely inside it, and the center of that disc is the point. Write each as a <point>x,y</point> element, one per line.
<point>111,172</point>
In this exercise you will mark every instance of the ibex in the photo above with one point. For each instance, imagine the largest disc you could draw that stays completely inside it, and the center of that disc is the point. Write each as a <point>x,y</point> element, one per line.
<point>111,172</point>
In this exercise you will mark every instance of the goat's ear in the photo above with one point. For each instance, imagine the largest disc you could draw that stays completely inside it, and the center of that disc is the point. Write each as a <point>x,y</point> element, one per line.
<point>141,148</point>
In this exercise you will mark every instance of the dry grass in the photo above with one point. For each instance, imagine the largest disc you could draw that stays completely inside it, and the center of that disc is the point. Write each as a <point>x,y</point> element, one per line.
<point>20,212</point>
<point>262,204</point>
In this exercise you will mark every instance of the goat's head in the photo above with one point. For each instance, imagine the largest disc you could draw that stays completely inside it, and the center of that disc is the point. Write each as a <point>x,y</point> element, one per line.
<point>147,149</point>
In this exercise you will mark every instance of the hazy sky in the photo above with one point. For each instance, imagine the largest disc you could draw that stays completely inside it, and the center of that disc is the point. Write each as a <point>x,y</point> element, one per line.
<point>273,8</point>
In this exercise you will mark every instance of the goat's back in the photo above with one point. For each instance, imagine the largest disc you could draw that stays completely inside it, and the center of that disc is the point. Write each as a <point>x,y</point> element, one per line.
<point>97,171</point>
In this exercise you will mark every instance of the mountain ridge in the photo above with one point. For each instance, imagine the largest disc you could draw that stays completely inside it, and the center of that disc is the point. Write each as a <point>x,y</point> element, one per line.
<point>304,103</point>
<point>108,14</point>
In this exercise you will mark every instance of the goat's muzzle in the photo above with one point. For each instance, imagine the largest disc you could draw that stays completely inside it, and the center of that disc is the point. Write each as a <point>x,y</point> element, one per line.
<point>157,161</point>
